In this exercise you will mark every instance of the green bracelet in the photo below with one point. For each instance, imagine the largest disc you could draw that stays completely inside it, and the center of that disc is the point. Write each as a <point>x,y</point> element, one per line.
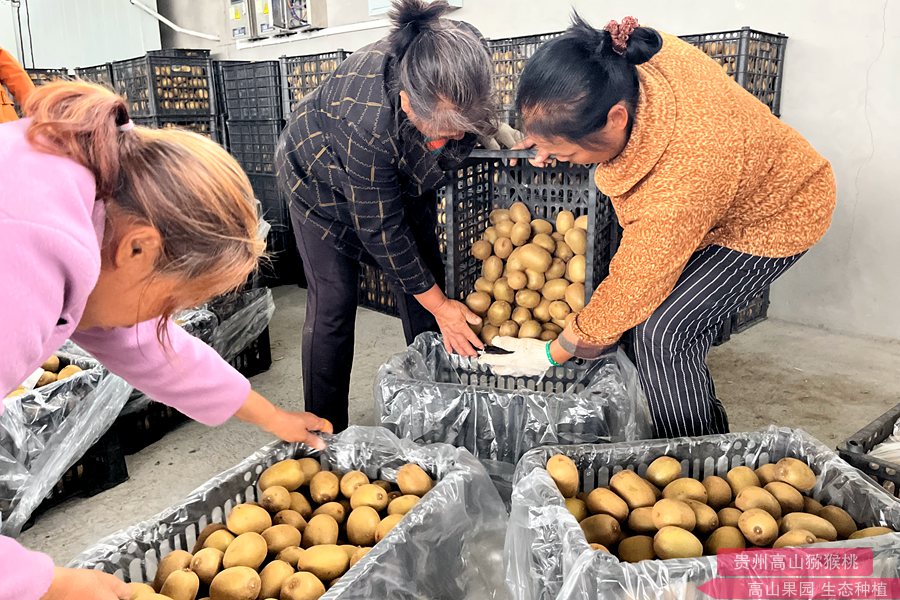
<point>550,356</point>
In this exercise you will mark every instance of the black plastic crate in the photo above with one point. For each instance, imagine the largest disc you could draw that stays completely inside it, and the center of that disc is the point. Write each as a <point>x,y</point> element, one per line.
<point>253,144</point>
<point>165,86</point>
<point>755,312</point>
<point>255,358</point>
<point>222,131</point>
<point>375,292</point>
<point>41,76</point>
<point>303,74</point>
<point>282,265</point>
<point>101,74</point>
<point>201,124</point>
<point>855,451</point>
<point>509,56</point>
<point>181,52</point>
<point>145,426</point>
<point>754,58</point>
<point>252,90</point>
<point>485,181</point>
<point>101,468</point>
<point>274,208</point>
<point>219,84</point>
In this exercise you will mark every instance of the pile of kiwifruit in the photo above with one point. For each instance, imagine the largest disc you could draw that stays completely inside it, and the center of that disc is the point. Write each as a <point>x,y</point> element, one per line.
<point>308,528</point>
<point>306,76</point>
<point>664,515</point>
<point>182,87</point>
<point>55,369</point>
<point>532,276</point>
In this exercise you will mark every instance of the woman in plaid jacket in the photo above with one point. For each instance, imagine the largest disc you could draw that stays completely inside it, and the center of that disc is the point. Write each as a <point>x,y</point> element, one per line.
<point>360,161</point>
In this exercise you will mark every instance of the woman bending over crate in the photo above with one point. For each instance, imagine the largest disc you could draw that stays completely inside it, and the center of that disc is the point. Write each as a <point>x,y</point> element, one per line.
<point>717,198</point>
<point>360,161</point>
<point>106,230</point>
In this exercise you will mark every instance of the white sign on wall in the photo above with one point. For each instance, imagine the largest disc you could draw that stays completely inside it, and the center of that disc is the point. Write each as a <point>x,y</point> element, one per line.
<point>381,7</point>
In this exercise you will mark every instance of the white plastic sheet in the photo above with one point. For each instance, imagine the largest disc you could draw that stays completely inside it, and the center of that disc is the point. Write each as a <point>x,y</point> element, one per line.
<point>45,431</point>
<point>547,555</point>
<point>429,396</point>
<point>449,546</point>
<point>242,318</point>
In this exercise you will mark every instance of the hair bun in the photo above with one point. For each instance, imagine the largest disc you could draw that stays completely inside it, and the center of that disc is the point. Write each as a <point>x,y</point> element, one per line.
<point>412,17</point>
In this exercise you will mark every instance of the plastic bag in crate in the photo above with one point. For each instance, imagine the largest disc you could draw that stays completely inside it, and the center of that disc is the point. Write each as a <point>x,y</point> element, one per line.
<point>242,318</point>
<point>428,395</point>
<point>45,431</point>
<point>547,555</point>
<point>449,546</point>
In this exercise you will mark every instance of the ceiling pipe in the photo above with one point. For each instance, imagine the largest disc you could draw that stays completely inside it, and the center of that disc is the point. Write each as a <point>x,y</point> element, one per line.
<point>168,23</point>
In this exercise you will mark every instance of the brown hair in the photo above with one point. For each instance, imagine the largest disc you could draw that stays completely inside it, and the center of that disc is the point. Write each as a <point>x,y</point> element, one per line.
<point>184,185</point>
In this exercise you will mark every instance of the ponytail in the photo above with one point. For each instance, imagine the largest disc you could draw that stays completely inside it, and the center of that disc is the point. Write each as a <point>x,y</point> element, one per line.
<point>570,84</point>
<point>444,67</point>
<point>81,121</point>
<point>412,17</point>
<point>182,184</point>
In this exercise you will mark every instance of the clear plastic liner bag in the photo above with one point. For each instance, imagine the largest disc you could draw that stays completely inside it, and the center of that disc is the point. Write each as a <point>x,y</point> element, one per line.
<point>547,556</point>
<point>428,395</point>
<point>450,546</point>
<point>45,431</point>
<point>242,318</point>
<point>198,322</point>
<point>889,449</point>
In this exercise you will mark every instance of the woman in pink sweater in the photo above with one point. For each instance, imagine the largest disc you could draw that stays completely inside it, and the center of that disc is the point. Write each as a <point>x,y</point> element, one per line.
<point>106,230</point>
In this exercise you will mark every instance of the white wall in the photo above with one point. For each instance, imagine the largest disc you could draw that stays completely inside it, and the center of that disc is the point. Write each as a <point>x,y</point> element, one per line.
<point>80,33</point>
<point>840,91</point>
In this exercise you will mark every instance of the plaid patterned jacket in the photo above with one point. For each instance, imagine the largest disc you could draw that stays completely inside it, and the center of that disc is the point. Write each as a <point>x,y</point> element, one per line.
<point>349,161</point>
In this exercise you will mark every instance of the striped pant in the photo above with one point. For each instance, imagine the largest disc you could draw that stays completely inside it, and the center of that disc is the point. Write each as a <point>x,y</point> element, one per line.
<point>671,346</point>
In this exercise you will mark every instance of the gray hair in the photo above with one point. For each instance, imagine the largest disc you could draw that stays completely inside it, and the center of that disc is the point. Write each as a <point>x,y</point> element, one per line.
<point>444,67</point>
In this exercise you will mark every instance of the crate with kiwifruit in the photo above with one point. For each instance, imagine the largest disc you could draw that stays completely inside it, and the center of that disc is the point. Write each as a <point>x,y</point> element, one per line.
<point>56,368</point>
<point>664,515</point>
<point>532,274</point>
<point>308,528</point>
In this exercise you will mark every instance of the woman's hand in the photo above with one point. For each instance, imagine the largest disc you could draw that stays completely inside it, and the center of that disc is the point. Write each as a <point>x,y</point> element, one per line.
<point>528,358</point>
<point>298,427</point>
<point>540,160</point>
<point>85,584</point>
<point>454,318</point>
<point>289,426</point>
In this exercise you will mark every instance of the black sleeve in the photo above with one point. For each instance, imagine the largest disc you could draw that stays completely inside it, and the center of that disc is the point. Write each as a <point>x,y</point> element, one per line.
<point>375,203</point>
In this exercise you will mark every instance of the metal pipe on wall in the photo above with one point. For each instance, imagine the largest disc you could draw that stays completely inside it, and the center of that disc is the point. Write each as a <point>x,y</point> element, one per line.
<point>167,22</point>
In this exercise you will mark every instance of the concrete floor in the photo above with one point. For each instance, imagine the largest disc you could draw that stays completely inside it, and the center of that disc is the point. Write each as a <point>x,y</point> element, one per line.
<point>827,384</point>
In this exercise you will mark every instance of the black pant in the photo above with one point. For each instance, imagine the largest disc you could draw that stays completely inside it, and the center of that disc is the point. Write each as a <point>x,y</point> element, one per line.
<point>671,346</point>
<point>333,291</point>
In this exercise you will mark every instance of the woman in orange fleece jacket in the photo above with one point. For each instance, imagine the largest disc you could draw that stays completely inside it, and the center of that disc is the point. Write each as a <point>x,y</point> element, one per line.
<point>717,198</point>
<point>16,81</point>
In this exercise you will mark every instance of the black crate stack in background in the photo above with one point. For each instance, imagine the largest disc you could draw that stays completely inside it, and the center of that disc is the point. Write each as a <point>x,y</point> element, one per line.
<point>303,74</point>
<point>252,102</point>
<point>100,74</point>
<point>41,76</point>
<point>219,107</point>
<point>169,88</point>
<point>754,59</point>
<point>509,56</point>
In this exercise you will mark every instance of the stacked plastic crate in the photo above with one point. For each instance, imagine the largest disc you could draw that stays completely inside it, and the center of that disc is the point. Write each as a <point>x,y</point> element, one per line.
<point>252,102</point>
<point>169,88</point>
